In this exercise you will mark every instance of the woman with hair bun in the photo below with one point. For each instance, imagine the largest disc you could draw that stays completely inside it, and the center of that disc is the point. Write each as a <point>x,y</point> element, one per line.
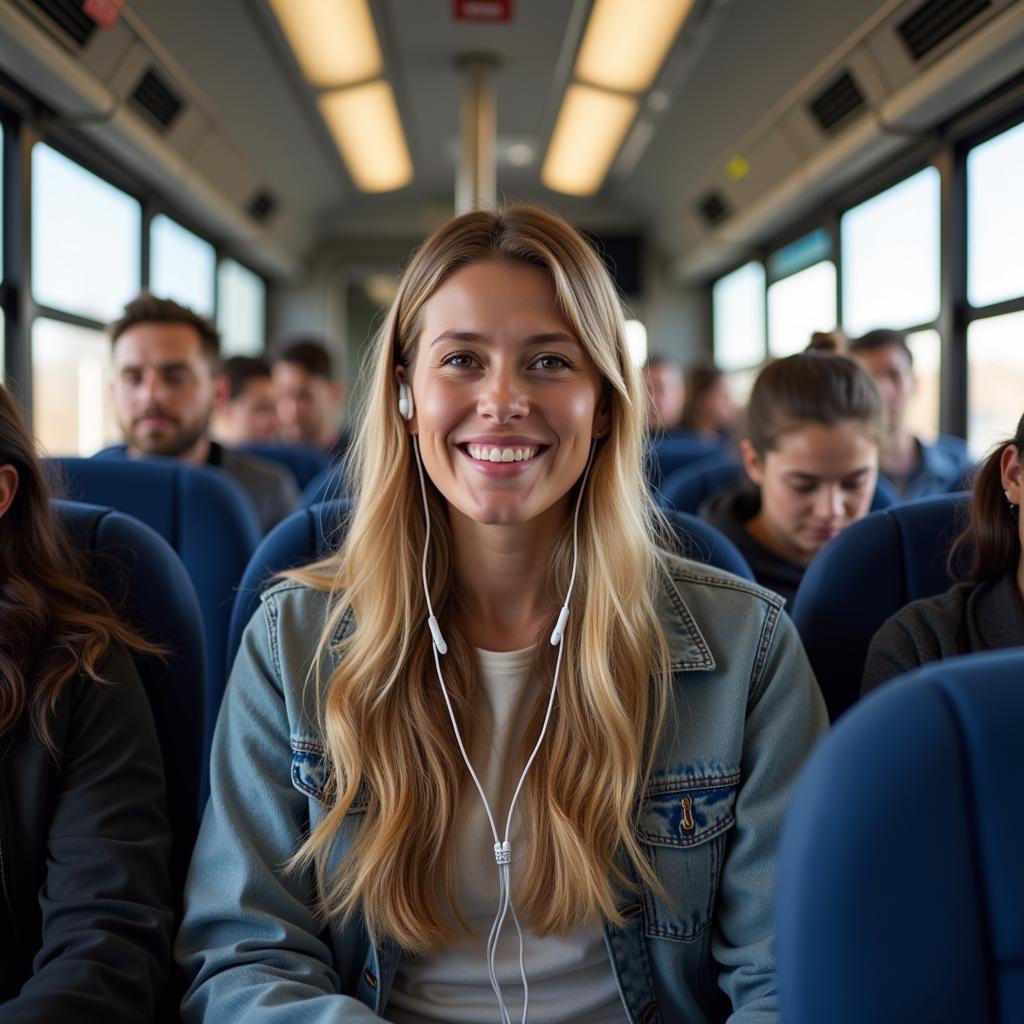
<point>501,756</point>
<point>811,437</point>
<point>985,612</point>
<point>85,915</point>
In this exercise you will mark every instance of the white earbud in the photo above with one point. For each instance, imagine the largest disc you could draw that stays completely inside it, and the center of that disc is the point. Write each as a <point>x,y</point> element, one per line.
<point>405,406</point>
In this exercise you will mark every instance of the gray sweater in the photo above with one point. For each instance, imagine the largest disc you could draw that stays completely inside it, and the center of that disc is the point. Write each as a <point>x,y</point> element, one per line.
<point>968,617</point>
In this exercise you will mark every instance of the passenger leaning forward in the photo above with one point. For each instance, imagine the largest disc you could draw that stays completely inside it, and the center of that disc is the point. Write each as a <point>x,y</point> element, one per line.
<point>810,445</point>
<point>85,918</point>
<point>348,867</point>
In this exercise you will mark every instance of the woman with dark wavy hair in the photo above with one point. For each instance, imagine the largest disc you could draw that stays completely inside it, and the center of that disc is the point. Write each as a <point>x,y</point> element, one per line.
<point>985,612</point>
<point>85,916</point>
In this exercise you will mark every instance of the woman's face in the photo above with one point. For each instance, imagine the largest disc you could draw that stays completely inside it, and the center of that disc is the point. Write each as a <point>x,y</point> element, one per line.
<point>506,398</point>
<point>815,483</point>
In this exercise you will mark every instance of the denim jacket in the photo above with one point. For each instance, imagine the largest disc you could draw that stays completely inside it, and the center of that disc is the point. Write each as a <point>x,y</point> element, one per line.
<point>744,714</point>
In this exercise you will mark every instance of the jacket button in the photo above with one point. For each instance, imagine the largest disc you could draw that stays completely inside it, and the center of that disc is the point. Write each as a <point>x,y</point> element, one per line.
<point>648,1013</point>
<point>369,978</point>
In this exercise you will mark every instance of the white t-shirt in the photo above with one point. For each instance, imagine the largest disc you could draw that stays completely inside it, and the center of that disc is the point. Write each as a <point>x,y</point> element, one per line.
<point>570,976</point>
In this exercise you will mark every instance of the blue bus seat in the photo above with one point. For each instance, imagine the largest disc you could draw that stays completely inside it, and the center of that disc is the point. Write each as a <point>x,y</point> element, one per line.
<point>326,486</point>
<point>867,573</point>
<point>900,895</point>
<point>687,488</point>
<point>139,574</point>
<point>668,453</point>
<point>313,533</point>
<point>201,512</point>
<point>304,462</point>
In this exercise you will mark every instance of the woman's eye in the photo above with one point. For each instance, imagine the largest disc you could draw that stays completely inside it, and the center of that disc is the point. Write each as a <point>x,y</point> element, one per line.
<point>551,363</point>
<point>803,488</point>
<point>459,360</point>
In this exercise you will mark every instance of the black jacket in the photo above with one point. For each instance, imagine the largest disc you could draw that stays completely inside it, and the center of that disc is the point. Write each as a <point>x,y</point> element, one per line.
<point>728,511</point>
<point>85,918</point>
<point>968,617</point>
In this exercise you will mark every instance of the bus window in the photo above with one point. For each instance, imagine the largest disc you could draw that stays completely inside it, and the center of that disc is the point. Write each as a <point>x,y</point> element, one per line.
<point>182,266</point>
<point>85,239</point>
<point>799,305</point>
<point>995,355</point>
<point>890,247</point>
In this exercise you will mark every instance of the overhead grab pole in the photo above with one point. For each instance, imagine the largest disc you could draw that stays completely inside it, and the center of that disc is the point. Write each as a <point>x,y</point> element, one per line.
<point>476,181</point>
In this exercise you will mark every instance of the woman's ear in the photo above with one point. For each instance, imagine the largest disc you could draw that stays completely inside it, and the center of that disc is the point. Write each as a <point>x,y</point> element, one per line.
<point>1011,472</point>
<point>8,487</point>
<point>751,461</point>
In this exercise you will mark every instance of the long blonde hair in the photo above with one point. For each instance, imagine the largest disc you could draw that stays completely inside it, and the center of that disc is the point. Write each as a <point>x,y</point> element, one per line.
<point>383,721</point>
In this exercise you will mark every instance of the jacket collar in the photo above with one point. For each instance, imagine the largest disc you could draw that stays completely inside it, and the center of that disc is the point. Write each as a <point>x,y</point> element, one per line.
<point>688,650</point>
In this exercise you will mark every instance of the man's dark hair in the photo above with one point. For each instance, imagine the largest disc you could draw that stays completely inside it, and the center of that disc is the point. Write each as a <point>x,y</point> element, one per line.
<point>239,370</point>
<point>881,338</point>
<point>146,308</point>
<point>311,355</point>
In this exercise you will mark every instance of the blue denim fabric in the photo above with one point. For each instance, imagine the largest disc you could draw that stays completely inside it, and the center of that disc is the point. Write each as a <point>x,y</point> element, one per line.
<point>944,466</point>
<point>744,715</point>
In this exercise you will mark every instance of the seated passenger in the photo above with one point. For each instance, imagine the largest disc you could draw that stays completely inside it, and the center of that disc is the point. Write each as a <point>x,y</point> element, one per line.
<point>85,928</point>
<point>812,433</point>
<point>245,411</point>
<point>164,389</point>
<point>911,466</point>
<point>986,611</point>
<point>349,865</point>
<point>663,380</point>
<point>309,398</point>
<point>709,410</point>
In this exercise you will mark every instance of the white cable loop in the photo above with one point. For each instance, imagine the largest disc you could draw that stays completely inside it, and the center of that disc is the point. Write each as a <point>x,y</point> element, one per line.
<point>502,848</point>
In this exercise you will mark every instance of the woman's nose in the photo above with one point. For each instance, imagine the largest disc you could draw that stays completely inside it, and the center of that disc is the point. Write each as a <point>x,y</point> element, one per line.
<point>503,397</point>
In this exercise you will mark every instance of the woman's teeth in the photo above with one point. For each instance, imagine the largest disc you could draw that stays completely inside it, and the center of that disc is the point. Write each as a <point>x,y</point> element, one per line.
<point>488,453</point>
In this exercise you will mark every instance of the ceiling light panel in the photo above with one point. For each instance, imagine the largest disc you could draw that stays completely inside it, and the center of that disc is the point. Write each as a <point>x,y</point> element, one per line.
<point>626,42</point>
<point>590,128</point>
<point>334,41</point>
<point>366,128</point>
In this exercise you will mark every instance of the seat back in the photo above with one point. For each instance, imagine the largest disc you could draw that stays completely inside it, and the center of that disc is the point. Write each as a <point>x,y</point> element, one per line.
<point>670,452</point>
<point>326,486</point>
<point>139,574</point>
<point>303,462</point>
<point>315,532</point>
<point>867,573</point>
<point>900,895</point>
<point>201,512</point>
<point>688,487</point>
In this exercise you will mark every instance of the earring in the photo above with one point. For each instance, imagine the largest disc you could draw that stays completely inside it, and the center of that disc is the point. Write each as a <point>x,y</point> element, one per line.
<point>1013,507</point>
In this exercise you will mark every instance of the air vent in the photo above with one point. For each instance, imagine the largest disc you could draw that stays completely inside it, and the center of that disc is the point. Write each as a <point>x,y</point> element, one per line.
<point>713,208</point>
<point>839,101</point>
<point>155,98</point>
<point>69,17</point>
<point>261,207</point>
<point>934,22</point>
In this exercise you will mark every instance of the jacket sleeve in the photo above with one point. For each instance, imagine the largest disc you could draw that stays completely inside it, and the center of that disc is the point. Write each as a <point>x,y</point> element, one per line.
<point>250,944</point>
<point>785,719</point>
<point>105,903</point>
<point>897,648</point>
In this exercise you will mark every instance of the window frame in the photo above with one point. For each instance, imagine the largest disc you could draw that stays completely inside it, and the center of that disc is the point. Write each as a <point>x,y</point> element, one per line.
<point>946,148</point>
<point>25,122</point>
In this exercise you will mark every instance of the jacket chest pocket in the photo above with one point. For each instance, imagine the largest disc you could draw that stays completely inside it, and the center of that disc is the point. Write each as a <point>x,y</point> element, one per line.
<point>311,774</point>
<point>684,825</point>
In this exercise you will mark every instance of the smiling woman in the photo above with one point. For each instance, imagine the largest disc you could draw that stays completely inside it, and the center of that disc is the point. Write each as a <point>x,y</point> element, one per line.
<point>500,697</point>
